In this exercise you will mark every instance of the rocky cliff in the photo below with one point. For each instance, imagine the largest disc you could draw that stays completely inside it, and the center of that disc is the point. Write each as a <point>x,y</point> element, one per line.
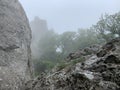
<point>15,39</point>
<point>98,70</point>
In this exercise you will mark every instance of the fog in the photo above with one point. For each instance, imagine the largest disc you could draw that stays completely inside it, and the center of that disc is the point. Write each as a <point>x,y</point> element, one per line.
<point>69,15</point>
<point>64,15</point>
<point>62,27</point>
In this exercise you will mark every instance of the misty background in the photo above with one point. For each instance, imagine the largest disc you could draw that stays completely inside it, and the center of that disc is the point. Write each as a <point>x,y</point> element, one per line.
<point>61,27</point>
<point>69,15</point>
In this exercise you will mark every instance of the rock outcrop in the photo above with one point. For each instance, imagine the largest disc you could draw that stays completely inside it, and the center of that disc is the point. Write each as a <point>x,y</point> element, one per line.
<point>100,71</point>
<point>15,39</point>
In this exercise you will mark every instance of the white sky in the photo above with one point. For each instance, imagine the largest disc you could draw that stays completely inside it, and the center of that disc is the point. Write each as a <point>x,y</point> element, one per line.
<point>64,15</point>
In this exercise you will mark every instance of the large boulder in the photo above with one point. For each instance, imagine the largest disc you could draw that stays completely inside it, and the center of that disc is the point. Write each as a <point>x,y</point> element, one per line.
<point>15,39</point>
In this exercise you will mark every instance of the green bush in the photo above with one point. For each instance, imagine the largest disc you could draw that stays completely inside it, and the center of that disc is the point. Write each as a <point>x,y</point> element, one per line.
<point>63,65</point>
<point>42,66</point>
<point>78,60</point>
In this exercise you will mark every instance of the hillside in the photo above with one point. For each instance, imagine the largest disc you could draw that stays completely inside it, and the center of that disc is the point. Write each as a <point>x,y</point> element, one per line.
<point>95,71</point>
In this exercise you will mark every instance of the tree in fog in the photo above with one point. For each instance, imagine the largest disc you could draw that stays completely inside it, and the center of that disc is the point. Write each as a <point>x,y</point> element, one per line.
<point>53,48</point>
<point>39,29</point>
<point>47,51</point>
<point>67,42</point>
<point>108,26</point>
<point>48,45</point>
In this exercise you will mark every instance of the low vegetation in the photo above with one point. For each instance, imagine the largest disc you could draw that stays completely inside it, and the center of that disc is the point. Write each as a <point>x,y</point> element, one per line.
<point>63,65</point>
<point>53,48</point>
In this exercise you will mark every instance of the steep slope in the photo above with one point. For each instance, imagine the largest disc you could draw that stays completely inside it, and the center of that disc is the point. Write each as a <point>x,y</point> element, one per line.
<point>15,39</point>
<point>94,71</point>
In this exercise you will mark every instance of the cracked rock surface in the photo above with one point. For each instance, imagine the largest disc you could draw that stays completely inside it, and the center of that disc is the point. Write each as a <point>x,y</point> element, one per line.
<point>15,39</point>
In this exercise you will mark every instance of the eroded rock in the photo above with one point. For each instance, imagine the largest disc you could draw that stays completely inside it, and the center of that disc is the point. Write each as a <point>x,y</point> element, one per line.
<point>94,73</point>
<point>15,39</point>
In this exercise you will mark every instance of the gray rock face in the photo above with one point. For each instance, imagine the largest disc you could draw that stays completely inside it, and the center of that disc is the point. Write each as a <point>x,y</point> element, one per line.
<point>96,72</point>
<point>15,39</point>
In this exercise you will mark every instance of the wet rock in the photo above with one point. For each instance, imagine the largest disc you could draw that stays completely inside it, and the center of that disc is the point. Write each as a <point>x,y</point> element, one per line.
<point>106,85</point>
<point>109,46</point>
<point>86,51</point>
<point>112,59</point>
<point>101,53</point>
